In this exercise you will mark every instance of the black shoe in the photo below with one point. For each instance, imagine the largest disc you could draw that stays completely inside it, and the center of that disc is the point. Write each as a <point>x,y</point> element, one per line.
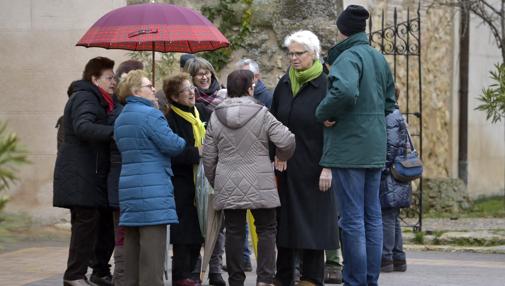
<point>332,274</point>
<point>101,280</point>
<point>400,265</point>
<point>387,266</point>
<point>216,279</point>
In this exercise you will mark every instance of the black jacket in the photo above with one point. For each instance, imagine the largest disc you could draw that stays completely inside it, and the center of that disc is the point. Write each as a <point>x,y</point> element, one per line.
<point>82,163</point>
<point>115,160</point>
<point>188,229</point>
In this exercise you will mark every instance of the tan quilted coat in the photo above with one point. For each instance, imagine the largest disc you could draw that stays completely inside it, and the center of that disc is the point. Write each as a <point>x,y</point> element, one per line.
<point>235,154</point>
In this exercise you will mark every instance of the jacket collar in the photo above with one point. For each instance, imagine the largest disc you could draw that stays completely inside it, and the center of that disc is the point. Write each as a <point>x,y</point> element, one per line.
<point>138,99</point>
<point>339,48</point>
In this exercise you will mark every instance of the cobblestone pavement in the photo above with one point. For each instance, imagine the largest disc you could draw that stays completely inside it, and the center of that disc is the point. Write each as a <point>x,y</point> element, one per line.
<point>43,266</point>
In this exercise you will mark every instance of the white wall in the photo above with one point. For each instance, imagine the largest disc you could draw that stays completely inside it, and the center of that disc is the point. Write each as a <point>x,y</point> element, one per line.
<point>486,154</point>
<point>39,60</point>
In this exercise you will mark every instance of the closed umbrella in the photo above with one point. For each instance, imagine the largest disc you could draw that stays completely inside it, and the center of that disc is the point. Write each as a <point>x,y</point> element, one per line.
<point>214,222</point>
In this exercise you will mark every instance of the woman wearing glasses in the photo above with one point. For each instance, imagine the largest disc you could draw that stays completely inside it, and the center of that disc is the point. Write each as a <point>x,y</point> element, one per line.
<point>209,93</point>
<point>307,216</point>
<point>146,200</point>
<point>186,118</point>
<point>208,90</point>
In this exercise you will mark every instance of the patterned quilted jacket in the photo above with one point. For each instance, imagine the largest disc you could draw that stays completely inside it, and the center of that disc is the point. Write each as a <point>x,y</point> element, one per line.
<point>235,154</point>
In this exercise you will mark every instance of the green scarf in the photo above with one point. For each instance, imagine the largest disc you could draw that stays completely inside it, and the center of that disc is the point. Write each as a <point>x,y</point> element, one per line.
<point>299,78</point>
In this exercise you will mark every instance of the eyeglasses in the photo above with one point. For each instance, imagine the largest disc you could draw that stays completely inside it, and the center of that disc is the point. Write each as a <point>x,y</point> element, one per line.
<point>150,86</point>
<point>296,54</point>
<point>202,74</point>
<point>187,89</point>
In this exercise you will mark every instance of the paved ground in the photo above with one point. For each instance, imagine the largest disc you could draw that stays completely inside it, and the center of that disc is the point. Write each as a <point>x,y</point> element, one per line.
<point>435,224</point>
<point>43,266</point>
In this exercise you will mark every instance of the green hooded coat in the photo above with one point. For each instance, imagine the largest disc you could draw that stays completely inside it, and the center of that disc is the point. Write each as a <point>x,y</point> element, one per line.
<point>361,92</point>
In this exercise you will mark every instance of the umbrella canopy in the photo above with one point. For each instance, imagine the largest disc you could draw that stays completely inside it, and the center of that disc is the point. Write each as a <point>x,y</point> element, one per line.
<point>154,27</point>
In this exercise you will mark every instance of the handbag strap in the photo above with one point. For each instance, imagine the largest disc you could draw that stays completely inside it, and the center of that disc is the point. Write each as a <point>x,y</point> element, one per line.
<point>409,141</point>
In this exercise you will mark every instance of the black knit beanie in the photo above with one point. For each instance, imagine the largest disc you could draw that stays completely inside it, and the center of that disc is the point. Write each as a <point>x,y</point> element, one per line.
<point>352,20</point>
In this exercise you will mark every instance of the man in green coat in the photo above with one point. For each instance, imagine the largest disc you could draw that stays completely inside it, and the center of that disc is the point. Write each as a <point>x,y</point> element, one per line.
<point>360,94</point>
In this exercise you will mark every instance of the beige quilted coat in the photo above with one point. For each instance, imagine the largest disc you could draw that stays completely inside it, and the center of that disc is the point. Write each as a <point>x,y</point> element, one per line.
<point>235,154</point>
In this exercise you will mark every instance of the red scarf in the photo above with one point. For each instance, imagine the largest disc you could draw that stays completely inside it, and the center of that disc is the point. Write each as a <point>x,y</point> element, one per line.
<point>108,99</point>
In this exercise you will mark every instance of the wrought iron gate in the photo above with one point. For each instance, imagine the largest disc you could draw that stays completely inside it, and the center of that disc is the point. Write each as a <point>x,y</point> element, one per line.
<point>401,44</point>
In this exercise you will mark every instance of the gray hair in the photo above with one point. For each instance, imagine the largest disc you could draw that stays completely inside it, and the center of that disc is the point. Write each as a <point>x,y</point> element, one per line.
<point>193,65</point>
<point>305,38</point>
<point>253,66</point>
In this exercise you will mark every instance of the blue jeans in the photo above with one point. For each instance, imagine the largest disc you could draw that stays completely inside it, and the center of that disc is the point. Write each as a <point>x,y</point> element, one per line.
<point>361,223</point>
<point>393,242</point>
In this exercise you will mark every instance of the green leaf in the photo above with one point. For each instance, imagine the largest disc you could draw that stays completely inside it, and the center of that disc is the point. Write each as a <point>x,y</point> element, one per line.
<point>12,155</point>
<point>492,98</point>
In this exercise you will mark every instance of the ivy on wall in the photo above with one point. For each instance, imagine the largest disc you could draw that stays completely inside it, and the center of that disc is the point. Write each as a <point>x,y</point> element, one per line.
<point>236,32</point>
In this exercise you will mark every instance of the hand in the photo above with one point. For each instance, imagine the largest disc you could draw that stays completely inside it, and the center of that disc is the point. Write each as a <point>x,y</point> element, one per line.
<point>279,165</point>
<point>325,180</point>
<point>200,149</point>
<point>328,123</point>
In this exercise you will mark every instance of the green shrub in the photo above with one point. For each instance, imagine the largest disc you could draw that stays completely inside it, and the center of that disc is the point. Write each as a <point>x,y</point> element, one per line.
<point>11,156</point>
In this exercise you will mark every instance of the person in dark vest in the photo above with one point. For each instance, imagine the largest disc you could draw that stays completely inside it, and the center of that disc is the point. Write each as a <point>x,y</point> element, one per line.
<point>361,92</point>
<point>307,216</point>
<point>80,174</point>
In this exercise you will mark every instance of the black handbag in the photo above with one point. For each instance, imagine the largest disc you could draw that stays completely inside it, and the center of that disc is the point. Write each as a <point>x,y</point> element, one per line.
<point>408,167</point>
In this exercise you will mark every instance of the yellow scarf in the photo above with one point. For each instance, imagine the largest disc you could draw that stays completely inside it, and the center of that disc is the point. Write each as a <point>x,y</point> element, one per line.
<point>196,123</point>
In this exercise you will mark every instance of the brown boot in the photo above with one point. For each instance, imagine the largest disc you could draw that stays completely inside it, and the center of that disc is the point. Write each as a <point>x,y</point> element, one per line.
<point>264,284</point>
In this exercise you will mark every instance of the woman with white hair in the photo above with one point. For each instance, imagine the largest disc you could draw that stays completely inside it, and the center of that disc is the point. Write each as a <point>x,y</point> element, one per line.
<point>307,216</point>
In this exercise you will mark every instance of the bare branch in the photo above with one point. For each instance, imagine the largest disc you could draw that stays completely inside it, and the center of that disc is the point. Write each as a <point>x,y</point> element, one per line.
<point>491,7</point>
<point>490,22</point>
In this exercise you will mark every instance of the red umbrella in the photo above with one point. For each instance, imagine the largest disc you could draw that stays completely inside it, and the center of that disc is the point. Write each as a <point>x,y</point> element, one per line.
<point>154,27</point>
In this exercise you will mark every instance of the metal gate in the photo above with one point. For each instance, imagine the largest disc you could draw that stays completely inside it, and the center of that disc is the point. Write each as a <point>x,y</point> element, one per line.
<point>401,44</point>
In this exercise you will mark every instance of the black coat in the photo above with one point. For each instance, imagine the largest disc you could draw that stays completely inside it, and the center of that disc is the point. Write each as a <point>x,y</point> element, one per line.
<point>82,163</point>
<point>307,216</point>
<point>115,161</point>
<point>188,229</point>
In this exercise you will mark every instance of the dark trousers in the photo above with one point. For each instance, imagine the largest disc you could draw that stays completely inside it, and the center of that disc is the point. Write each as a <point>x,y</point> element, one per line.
<point>91,242</point>
<point>184,260</point>
<point>119,233</point>
<point>311,264</point>
<point>266,228</point>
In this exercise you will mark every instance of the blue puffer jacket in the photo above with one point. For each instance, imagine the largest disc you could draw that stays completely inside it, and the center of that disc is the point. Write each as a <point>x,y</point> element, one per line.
<point>146,143</point>
<point>394,194</point>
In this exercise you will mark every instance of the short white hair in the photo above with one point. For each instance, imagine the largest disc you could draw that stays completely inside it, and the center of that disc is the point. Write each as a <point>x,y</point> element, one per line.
<point>253,66</point>
<point>305,38</point>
